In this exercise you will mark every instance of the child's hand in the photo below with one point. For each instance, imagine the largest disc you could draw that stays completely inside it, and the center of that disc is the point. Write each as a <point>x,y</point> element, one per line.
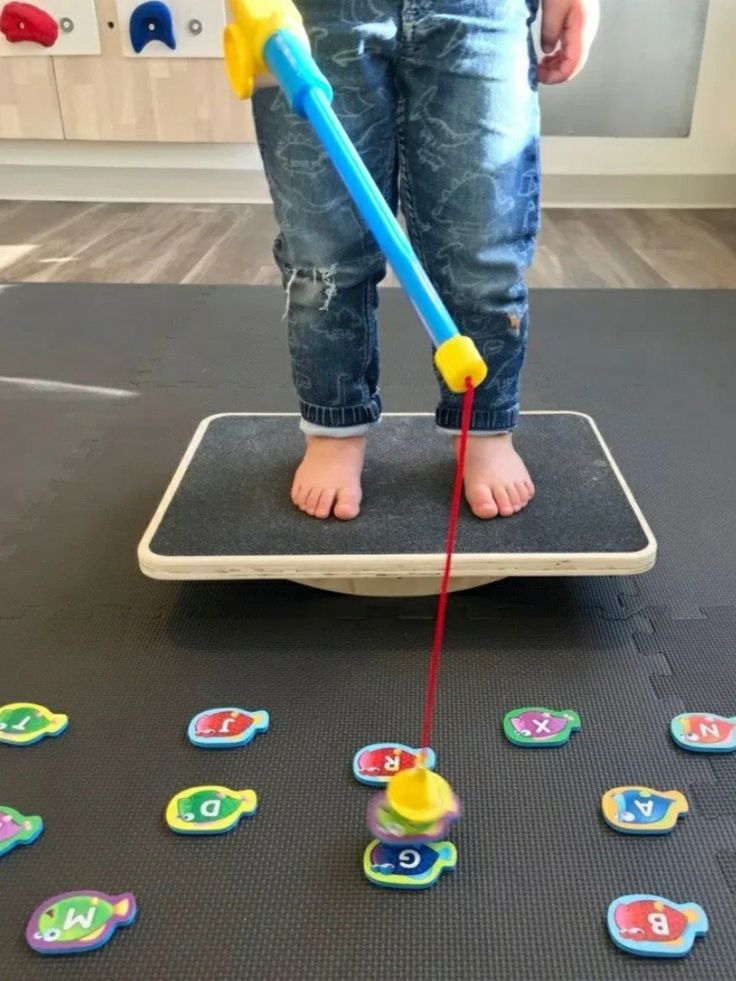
<point>568,30</point>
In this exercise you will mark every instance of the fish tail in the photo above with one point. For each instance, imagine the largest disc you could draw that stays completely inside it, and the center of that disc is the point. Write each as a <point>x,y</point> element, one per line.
<point>681,799</point>
<point>122,907</point>
<point>261,718</point>
<point>447,852</point>
<point>57,722</point>
<point>695,915</point>
<point>248,800</point>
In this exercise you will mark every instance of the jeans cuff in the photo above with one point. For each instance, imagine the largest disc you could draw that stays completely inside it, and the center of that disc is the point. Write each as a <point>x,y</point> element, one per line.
<point>480,433</point>
<point>336,432</point>
<point>488,422</point>
<point>342,420</point>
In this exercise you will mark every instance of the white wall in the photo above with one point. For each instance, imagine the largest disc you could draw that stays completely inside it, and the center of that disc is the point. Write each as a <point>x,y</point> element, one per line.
<point>711,147</point>
<point>700,170</point>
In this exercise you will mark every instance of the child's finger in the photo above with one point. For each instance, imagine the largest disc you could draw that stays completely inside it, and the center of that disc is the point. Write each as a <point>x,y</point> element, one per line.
<point>574,48</point>
<point>554,69</point>
<point>553,18</point>
<point>569,58</point>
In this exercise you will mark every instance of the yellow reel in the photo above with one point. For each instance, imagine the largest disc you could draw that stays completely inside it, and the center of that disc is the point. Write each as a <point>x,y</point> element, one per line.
<point>244,40</point>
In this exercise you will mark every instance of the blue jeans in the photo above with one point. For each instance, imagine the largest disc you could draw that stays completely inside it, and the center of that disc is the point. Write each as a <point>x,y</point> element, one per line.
<point>439,97</point>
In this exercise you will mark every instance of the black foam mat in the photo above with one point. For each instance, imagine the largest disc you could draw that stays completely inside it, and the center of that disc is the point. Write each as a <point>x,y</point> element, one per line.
<point>131,660</point>
<point>240,460</point>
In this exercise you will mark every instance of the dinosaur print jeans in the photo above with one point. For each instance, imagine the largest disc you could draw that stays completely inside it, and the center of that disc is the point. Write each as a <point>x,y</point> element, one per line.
<point>439,97</point>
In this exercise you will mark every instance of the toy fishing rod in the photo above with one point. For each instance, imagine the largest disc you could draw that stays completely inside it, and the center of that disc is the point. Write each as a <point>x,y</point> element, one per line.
<point>268,37</point>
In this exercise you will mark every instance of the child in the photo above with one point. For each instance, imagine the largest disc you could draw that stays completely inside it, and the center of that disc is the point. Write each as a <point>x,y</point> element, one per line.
<point>439,97</point>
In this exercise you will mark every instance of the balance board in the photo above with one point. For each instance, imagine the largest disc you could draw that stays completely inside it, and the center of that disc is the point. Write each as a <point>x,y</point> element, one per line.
<point>227,514</point>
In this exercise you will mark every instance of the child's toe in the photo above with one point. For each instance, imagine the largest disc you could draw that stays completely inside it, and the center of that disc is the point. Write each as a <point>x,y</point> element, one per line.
<point>347,505</point>
<point>523,492</point>
<point>514,498</point>
<point>325,502</point>
<point>481,501</point>
<point>505,507</point>
<point>309,501</point>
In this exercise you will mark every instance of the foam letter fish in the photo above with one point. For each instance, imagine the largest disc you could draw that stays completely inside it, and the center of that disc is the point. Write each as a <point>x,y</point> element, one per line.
<point>392,829</point>
<point>651,926</point>
<point>209,810</point>
<point>540,726</point>
<point>76,922</point>
<point>704,733</point>
<point>23,723</point>
<point>226,727</point>
<point>16,829</point>
<point>408,867</point>
<point>377,763</point>
<point>641,810</point>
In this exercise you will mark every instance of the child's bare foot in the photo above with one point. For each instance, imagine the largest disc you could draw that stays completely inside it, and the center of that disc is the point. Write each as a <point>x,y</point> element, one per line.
<point>496,480</point>
<point>327,481</point>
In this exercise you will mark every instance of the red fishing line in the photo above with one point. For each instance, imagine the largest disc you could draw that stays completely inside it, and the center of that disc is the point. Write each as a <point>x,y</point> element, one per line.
<point>441,615</point>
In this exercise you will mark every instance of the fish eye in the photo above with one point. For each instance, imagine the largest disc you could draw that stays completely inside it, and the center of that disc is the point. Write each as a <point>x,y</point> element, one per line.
<point>53,934</point>
<point>188,816</point>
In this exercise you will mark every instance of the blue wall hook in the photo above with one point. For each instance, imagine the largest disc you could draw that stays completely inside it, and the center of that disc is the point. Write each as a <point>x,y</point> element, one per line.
<point>151,21</point>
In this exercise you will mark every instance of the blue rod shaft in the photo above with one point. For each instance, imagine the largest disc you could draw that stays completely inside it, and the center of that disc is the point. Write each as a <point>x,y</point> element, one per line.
<point>379,218</point>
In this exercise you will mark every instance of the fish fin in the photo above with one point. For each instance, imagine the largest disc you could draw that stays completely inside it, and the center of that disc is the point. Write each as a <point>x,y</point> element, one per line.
<point>693,914</point>
<point>91,937</point>
<point>122,908</point>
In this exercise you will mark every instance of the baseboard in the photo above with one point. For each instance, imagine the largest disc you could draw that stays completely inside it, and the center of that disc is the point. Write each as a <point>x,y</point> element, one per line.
<point>172,184</point>
<point>639,191</point>
<point>177,184</point>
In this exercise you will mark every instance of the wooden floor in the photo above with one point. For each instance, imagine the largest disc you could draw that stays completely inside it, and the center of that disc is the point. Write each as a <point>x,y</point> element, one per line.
<point>57,242</point>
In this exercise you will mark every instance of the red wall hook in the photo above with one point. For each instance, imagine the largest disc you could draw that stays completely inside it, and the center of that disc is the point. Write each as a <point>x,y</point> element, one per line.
<point>25,22</point>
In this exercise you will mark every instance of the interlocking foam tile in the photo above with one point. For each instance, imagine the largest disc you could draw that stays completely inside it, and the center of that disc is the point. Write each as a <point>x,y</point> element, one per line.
<point>283,897</point>
<point>106,336</point>
<point>718,798</point>
<point>73,358</point>
<point>699,654</point>
<point>44,441</point>
<point>534,850</point>
<point>727,863</point>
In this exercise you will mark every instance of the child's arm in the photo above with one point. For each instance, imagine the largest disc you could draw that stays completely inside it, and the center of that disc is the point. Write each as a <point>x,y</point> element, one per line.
<point>568,30</point>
